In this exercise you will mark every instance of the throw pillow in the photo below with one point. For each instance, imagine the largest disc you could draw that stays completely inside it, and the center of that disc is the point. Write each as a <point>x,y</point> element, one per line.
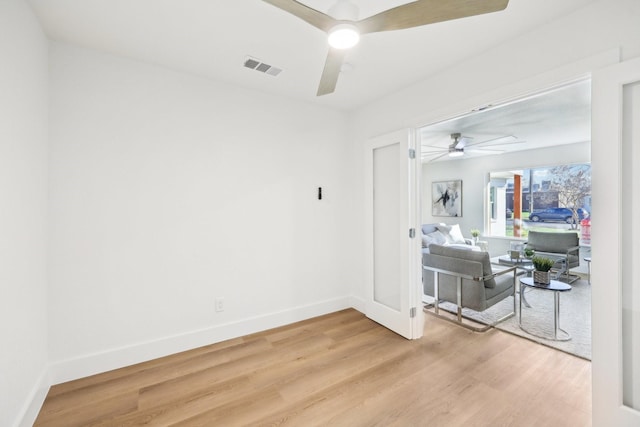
<point>456,234</point>
<point>452,233</point>
<point>444,229</point>
<point>435,237</point>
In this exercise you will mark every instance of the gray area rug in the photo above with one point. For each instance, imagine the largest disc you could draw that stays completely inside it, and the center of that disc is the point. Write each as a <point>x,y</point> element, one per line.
<point>575,317</point>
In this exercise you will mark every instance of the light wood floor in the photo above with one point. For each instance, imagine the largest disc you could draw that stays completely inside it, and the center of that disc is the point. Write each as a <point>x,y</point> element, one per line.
<point>339,370</point>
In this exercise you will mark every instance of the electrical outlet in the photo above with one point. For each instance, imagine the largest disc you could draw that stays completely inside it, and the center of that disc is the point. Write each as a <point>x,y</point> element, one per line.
<point>219,304</point>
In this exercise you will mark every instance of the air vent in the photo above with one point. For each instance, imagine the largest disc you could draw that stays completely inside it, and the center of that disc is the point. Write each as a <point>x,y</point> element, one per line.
<point>258,65</point>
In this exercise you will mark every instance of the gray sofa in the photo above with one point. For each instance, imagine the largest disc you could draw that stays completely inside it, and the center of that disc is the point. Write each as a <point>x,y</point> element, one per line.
<point>564,247</point>
<point>445,235</point>
<point>465,278</point>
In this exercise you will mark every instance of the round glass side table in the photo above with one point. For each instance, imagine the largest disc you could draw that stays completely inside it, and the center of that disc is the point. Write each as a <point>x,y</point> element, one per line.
<point>556,287</point>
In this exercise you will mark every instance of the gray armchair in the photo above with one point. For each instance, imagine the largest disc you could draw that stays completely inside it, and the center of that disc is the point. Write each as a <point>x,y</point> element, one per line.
<point>466,279</point>
<point>563,247</point>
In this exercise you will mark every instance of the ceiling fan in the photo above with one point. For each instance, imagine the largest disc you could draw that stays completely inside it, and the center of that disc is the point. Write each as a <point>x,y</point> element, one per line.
<point>461,144</point>
<point>344,29</point>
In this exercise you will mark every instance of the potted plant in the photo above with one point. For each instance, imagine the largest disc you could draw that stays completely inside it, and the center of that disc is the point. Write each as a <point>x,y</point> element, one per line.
<point>542,267</point>
<point>529,253</point>
<point>475,233</point>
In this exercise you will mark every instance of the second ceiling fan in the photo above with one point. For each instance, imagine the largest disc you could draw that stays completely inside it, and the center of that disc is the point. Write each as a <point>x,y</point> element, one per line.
<point>344,30</point>
<point>461,144</point>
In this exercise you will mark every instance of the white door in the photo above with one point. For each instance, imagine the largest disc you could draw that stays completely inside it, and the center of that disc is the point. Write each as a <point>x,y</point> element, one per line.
<point>393,277</point>
<point>616,245</point>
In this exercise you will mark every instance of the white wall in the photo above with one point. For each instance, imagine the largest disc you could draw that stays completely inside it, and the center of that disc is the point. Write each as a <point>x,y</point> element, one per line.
<point>474,174</point>
<point>599,34</point>
<point>167,191</point>
<point>23,200</point>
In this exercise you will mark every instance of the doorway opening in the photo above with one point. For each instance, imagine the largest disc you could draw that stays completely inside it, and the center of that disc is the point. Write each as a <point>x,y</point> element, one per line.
<point>483,151</point>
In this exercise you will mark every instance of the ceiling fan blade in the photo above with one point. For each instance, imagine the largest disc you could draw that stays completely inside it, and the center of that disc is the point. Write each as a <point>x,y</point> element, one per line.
<point>438,157</point>
<point>307,14</point>
<point>484,150</point>
<point>496,141</point>
<point>497,144</point>
<point>331,71</point>
<point>423,12</point>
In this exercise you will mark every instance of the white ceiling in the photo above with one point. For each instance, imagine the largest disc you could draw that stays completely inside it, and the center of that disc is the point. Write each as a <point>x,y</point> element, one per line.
<point>557,117</point>
<point>211,38</point>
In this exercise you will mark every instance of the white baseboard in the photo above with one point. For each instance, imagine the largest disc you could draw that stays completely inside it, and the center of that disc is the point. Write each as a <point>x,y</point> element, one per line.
<point>358,303</point>
<point>91,364</point>
<point>34,401</point>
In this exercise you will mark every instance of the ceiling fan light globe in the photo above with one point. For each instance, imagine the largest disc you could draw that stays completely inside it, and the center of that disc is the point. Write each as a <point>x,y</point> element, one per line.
<point>456,152</point>
<point>344,36</point>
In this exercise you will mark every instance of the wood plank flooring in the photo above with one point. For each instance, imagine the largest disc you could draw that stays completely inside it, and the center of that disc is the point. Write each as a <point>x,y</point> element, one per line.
<point>340,369</point>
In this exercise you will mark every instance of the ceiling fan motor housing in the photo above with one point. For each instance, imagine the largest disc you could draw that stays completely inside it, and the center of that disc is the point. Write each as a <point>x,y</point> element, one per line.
<point>344,10</point>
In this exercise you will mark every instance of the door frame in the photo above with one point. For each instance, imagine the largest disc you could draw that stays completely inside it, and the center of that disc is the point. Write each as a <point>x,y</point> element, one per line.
<point>573,71</point>
<point>607,175</point>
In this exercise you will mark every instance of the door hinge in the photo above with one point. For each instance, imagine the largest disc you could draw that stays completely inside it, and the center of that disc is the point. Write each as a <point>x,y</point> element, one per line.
<point>412,153</point>
<point>412,233</point>
<point>412,312</point>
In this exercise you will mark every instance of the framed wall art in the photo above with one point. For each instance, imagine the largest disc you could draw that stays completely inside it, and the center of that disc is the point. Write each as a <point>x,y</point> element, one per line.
<point>446,197</point>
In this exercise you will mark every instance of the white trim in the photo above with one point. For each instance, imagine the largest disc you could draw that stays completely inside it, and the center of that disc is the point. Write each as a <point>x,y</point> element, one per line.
<point>607,135</point>
<point>91,364</point>
<point>358,303</point>
<point>32,404</point>
<point>415,252</point>
<point>575,71</point>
